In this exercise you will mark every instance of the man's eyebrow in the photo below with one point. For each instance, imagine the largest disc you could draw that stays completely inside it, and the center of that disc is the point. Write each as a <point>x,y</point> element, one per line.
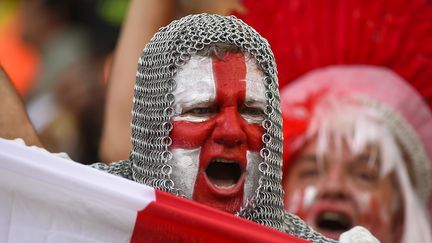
<point>198,103</point>
<point>367,159</point>
<point>196,99</point>
<point>363,157</point>
<point>307,158</point>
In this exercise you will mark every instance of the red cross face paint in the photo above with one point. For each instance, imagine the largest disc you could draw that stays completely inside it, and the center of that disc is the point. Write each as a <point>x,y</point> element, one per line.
<point>217,129</point>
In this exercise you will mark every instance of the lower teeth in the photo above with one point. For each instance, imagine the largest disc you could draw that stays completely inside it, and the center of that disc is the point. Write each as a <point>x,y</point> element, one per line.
<point>224,187</point>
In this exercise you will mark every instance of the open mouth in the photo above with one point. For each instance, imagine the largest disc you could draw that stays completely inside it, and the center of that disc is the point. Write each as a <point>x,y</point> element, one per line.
<point>333,221</point>
<point>223,174</point>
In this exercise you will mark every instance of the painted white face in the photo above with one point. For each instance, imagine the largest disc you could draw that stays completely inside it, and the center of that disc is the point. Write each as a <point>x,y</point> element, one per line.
<point>217,129</point>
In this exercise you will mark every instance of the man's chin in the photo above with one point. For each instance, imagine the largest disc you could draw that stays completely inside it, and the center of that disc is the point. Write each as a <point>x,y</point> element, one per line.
<point>330,234</point>
<point>207,194</point>
<point>231,206</point>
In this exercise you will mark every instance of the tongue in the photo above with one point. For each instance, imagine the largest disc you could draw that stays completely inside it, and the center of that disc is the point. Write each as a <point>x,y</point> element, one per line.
<point>223,175</point>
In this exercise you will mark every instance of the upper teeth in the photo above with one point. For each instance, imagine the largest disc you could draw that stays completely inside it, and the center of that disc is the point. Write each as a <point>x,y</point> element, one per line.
<point>331,216</point>
<point>335,217</point>
<point>223,161</point>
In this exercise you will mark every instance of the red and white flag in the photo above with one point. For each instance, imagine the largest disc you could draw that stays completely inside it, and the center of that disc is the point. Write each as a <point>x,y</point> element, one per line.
<point>45,198</point>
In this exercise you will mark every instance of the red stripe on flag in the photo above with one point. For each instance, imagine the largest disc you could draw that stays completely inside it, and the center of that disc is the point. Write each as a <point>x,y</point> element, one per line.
<point>174,219</point>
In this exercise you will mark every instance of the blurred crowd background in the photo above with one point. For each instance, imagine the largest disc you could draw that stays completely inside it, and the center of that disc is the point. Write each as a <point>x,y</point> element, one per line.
<point>57,54</point>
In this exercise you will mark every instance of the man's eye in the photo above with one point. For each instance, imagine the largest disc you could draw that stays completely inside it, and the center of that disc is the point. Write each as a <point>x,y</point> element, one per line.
<point>309,173</point>
<point>252,114</point>
<point>201,111</point>
<point>365,175</point>
<point>253,111</point>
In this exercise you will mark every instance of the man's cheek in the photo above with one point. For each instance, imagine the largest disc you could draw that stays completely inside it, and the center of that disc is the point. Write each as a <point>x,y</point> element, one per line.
<point>185,165</point>
<point>252,175</point>
<point>373,213</point>
<point>254,134</point>
<point>190,135</point>
<point>364,201</point>
<point>301,200</point>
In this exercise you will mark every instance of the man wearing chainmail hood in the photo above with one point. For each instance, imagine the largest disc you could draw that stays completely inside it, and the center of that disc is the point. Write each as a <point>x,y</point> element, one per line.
<point>203,106</point>
<point>206,121</point>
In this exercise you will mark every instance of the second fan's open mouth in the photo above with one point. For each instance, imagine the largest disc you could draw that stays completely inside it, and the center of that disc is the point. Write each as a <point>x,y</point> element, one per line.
<point>223,174</point>
<point>333,221</point>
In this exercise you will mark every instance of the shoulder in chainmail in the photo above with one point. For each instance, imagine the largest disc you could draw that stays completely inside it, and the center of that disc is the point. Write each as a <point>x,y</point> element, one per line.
<point>121,168</point>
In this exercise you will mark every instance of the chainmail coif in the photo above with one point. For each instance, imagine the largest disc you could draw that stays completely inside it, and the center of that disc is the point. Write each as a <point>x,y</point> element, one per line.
<point>170,48</point>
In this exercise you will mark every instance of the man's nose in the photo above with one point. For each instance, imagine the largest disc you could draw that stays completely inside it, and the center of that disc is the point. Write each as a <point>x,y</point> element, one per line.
<point>229,130</point>
<point>333,184</point>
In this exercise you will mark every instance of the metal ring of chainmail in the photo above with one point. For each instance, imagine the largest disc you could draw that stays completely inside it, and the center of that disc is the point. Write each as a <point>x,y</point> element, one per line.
<point>170,48</point>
